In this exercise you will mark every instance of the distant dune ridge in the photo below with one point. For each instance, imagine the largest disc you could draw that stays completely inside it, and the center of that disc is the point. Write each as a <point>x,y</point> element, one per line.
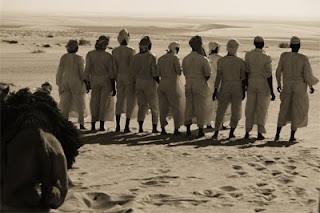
<point>123,173</point>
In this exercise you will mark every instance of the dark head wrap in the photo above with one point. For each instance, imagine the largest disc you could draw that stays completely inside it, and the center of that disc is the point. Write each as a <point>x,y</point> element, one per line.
<point>72,45</point>
<point>145,44</point>
<point>196,45</point>
<point>102,42</point>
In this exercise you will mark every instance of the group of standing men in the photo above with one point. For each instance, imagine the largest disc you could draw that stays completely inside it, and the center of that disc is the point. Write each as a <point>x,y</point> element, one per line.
<point>215,86</point>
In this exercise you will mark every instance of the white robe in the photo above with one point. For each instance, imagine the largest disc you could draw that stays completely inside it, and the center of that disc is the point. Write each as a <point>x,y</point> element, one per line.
<point>144,69</point>
<point>196,68</point>
<point>212,106</point>
<point>259,68</point>
<point>297,74</point>
<point>126,94</point>
<point>69,79</point>
<point>230,72</point>
<point>99,71</point>
<point>171,91</point>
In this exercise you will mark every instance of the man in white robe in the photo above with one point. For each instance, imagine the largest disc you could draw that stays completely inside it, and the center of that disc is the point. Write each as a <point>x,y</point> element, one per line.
<point>212,106</point>
<point>231,75</point>
<point>294,71</point>
<point>146,78</point>
<point>99,72</point>
<point>259,72</point>
<point>171,91</point>
<point>196,68</point>
<point>126,94</point>
<point>70,79</point>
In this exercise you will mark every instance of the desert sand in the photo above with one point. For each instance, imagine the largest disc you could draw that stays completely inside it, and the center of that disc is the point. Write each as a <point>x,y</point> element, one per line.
<point>117,172</point>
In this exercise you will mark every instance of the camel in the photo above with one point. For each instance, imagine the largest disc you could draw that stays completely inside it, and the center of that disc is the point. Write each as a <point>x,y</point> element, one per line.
<point>38,146</point>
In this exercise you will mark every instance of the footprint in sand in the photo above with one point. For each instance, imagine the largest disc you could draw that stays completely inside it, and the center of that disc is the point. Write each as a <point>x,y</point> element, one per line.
<point>238,171</point>
<point>285,179</point>
<point>236,167</point>
<point>261,184</point>
<point>300,191</point>
<point>158,180</point>
<point>228,188</point>
<point>166,199</point>
<point>276,172</point>
<point>259,210</point>
<point>290,167</point>
<point>209,193</point>
<point>257,166</point>
<point>269,162</point>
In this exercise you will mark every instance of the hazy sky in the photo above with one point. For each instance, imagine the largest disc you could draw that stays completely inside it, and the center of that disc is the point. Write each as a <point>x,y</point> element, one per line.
<point>278,8</point>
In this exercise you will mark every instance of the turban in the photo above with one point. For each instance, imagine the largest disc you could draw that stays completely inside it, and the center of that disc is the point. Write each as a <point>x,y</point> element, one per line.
<point>294,40</point>
<point>102,42</point>
<point>173,46</point>
<point>195,42</point>
<point>258,39</point>
<point>72,45</point>
<point>123,35</point>
<point>213,46</point>
<point>232,46</point>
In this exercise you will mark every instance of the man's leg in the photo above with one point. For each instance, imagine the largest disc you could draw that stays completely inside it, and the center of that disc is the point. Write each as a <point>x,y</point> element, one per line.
<point>250,112</point>
<point>143,108</point>
<point>223,102</point>
<point>152,99</point>
<point>131,103</point>
<point>120,105</point>
<point>236,110</point>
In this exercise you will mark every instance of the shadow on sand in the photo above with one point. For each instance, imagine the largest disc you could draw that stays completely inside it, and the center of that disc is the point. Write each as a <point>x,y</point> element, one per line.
<point>142,139</point>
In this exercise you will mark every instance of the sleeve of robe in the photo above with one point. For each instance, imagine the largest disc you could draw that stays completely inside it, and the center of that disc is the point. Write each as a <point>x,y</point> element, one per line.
<point>268,67</point>
<point>243,69</point>
<point>81,68</point>
<point>279,70</point>
<point>308,76</point>
<point>154,70</point>
<point>177,65</point>
<point>219,75</point>
<point>88,68</point>
<point>206,67</point>
<point>60,72</point>
<point>111,71</point>
<point>246,59</point>
<point>133,69</point>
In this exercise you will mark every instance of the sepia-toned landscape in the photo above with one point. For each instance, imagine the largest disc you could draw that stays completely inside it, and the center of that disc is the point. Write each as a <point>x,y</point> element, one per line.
<point>145,172</point>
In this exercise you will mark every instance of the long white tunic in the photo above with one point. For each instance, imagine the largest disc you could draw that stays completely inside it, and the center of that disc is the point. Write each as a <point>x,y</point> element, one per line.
<point>144,69</point>
<point>259,68</point>
<point>231,72</point>
<point>171,91</point>
<point>294,70</point>
<point>126,94</point>
<point>196,68</point>
<point>99,71</point>
<point>212,106</point>
<point>69,79</point>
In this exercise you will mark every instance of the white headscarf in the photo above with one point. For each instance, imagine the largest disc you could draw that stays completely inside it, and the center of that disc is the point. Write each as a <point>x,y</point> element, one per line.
<point>173,46</point>
<point>213,46</point>
<point>123,35</point>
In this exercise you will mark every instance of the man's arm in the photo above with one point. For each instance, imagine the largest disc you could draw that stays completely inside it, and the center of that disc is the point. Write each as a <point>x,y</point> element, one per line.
<point>279,73</point>
<point>268,70</point>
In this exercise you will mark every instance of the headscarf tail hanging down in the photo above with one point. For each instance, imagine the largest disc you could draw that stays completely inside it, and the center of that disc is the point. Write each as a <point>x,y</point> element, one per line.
<point>197,45</point>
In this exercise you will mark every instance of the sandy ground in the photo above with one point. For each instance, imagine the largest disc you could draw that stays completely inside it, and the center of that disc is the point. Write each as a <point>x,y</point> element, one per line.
<point>152,173</point>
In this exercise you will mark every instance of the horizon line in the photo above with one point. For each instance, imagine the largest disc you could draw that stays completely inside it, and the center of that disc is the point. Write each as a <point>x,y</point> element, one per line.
<point>154,15</point>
